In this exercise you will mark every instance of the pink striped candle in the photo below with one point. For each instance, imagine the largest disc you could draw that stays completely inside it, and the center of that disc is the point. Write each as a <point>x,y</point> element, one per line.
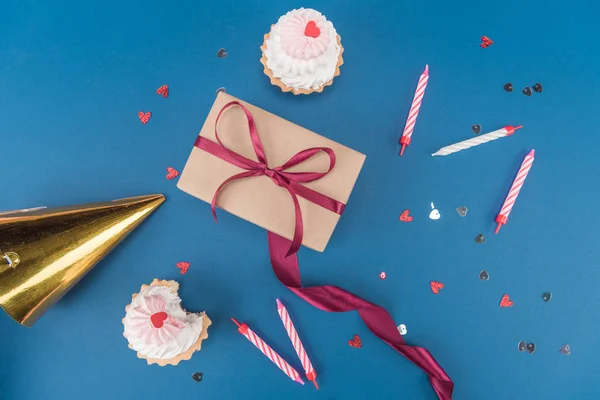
<point>268,351</point>
<point>511,197</point>
<point>414,109</point>
<point>311,375</point>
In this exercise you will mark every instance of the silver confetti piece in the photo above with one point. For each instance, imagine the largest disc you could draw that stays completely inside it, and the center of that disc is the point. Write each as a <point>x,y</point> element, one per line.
<point>546,296</point>
<point>197,376</point>
<point>222,53</point>
<point>531,348</point>
<point>462,211</point>
<point>522,346</point>
<point>565,349</point>
<point>434,214</point>
<point>402,329</point>
<point>480,239</point>
<point>484,276</point>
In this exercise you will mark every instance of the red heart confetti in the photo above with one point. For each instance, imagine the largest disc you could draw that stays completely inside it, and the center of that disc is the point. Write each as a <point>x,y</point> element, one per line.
<point>436,286</point>
<point>355,342</point>
<point>486,42</point>
<point>506,301</point>
<point>158,319</point>
<point>163,91</point>
<point>172,173</point>
<point>312,30</point>
<point>144,117</point>
<point>405,217</point>
<point>183,267</point>
<point>382,275</point>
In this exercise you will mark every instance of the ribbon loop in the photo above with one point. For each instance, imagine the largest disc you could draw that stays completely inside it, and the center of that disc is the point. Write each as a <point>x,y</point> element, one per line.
<point>291,181</point>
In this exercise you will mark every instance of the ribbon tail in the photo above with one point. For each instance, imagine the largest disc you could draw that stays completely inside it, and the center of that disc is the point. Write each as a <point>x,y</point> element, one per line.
<point>378,320</point>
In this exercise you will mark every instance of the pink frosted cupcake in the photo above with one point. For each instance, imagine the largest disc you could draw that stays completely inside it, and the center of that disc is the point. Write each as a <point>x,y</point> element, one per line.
<point>303,52</point>
<point>159,329</point>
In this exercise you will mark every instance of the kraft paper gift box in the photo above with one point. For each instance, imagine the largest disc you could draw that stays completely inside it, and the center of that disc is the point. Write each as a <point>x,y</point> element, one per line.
<point>258,199</point>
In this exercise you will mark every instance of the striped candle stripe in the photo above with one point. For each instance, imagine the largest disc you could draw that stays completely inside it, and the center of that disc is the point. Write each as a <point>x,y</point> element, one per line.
<point>513,193</point>
<point>273,356</point>
<point>269,352</point>
<point>409,127</point>
<point>296,342</point>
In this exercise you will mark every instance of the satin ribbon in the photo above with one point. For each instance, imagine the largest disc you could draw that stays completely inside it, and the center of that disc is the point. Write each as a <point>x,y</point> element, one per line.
<point>283,251</point>
<point>378,320</point>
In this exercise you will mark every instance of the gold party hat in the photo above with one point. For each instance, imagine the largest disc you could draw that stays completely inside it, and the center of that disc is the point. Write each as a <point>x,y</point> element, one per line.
<point>46,251</point>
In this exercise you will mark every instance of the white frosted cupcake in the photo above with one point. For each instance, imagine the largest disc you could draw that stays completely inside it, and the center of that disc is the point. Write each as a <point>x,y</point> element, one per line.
<point>303,52</point>
<point>159,329</point>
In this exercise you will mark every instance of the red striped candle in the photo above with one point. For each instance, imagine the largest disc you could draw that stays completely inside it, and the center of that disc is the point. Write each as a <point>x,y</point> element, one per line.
<point>414,109</point>
<point>268,351</point>
<point>511,197</point>
<point>311,375</point>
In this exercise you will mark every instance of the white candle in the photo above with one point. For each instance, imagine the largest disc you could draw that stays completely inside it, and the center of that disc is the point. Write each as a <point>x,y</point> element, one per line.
<point>476,141</point>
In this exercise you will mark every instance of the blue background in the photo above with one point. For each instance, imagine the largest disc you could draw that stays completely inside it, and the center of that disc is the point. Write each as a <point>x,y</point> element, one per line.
<point>74,74</point>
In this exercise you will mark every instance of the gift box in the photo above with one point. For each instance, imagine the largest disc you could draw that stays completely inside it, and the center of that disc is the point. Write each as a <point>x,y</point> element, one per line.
<point>257,198</point>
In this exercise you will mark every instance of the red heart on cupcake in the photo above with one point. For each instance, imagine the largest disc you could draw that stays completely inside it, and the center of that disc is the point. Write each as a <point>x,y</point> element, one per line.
<point>405,217</point>
<point>158,319</point>
<point>312,29</point>
<point>436,286</point>
<point>144,117</point>
<point>506,301</point>
<point>355,342</point>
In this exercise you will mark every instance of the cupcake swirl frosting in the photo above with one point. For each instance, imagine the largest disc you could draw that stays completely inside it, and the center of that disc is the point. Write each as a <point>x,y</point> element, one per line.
<point>156,325</point>
<point>303,49</point>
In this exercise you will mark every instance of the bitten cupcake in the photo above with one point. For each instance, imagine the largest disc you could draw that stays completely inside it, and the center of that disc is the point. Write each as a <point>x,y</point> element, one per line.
<point>303,52</point>
<point>159,329</point>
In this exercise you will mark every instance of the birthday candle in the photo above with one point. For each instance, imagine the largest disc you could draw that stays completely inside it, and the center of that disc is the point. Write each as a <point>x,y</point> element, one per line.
<point>409,127</point>
<point>476,141</point>
<point>311,375</point>
<point>511,197</point>
<point>268,351</point>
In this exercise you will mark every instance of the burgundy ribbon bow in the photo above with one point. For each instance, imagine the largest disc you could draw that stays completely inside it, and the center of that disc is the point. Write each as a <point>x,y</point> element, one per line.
<point>291,181</point>
<point>285,265</point>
